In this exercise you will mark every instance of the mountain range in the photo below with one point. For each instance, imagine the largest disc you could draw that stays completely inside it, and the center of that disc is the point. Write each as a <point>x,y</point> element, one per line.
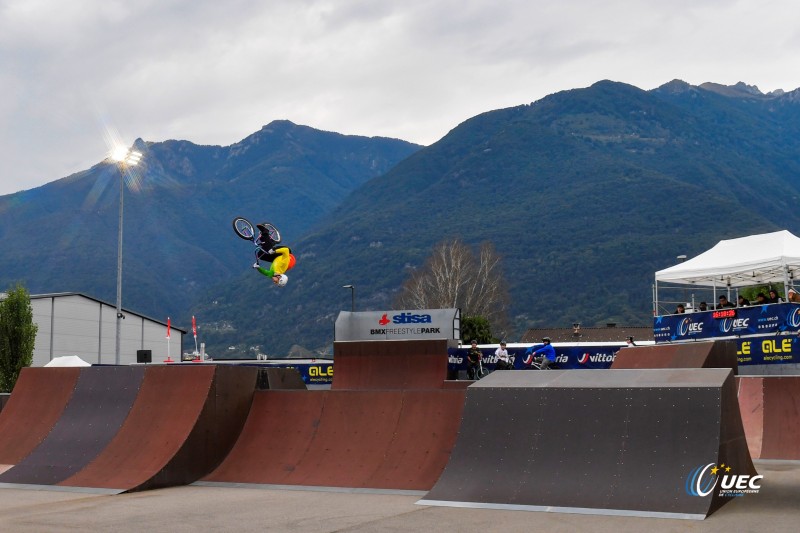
<point>584,193</point>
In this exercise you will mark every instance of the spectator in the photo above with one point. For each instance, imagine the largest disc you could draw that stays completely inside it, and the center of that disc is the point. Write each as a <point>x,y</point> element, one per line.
<point>703,306</point>
<point>774,297</point>
<point>742,301</point>
<point>793,296</point>
<point>503,360</point>
<point>680,309</point>
<point>474,356</point>
<point>546,355</point>
<point>630,342</point>
<point>761,299</point>
<point>723,302</point>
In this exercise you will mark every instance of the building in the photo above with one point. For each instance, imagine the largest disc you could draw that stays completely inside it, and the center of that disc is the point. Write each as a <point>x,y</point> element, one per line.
<point>610,333</point>
<point>76,324</point>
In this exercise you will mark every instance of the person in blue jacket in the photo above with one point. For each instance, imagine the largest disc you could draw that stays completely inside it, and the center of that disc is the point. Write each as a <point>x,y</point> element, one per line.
<point>546,355</point>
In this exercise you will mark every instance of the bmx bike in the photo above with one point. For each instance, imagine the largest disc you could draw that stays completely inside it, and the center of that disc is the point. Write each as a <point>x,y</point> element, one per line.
<point>480,371</point>
<point>247,231</point>
<point>539,365</point>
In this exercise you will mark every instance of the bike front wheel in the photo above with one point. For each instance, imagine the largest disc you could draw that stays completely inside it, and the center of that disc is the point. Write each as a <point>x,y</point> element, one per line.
<point>244,228</point>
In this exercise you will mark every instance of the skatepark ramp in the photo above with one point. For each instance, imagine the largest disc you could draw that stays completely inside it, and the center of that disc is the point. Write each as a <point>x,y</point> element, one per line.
<point>712,354</point>
<point>387,423</point>
<point>39,398</point>
<point>128,428</point>
<point>398,439</point>
<point>636,442</point>
<point>393,364</point>
<point>770,407</point>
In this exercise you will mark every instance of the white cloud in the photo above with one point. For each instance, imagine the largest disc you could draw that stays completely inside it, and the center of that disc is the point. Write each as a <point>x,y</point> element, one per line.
<point>214,72</point>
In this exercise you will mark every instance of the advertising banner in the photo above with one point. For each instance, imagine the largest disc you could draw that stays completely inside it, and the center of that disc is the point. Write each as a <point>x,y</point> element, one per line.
<point>782,349</point>
<point>318,372</point>
<point>398,325</point>
<point>739,321</point>
<point>568,357</point>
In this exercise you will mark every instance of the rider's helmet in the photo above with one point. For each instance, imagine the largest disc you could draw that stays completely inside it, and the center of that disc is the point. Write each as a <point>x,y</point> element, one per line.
<point>284,279</point>
<point>546,340</point>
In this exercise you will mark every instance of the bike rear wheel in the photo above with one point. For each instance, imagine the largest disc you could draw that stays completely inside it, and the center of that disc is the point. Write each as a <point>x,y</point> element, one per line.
<point>272,232</point>
<point>244,228</point>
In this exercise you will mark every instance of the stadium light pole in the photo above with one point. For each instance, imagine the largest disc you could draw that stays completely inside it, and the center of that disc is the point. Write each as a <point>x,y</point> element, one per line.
<point>681,258</point>
<point>125,158</point>
<point>352,296</point>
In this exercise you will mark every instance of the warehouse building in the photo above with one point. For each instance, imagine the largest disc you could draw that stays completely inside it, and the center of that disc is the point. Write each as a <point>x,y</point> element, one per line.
<point>76,324</point>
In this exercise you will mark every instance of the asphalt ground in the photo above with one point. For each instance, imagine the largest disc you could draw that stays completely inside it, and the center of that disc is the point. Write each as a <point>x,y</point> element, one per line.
<point>776,508</point>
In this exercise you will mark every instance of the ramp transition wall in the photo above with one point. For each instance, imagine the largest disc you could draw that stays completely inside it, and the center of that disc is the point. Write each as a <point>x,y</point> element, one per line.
<point>604,441</point>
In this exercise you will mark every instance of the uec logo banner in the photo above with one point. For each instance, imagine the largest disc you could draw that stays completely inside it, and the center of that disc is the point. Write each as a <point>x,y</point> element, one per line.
<point>748,321</point>
<point>704,479</point>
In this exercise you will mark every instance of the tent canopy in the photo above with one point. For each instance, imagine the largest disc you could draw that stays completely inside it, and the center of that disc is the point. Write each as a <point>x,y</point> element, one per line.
<point>753,260</point>
<point>68,360</point>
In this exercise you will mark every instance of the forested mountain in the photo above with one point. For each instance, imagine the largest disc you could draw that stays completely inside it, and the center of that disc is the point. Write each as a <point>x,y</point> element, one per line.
<point>585,194</point>
<point>179,204</point>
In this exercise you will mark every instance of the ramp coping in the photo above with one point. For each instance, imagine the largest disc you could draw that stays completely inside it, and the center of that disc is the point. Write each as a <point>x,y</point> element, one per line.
<point>570,510</point>
<point>60,488</point>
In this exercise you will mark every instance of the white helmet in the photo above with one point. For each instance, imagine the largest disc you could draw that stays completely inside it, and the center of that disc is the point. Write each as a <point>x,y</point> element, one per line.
<point>284,279</point>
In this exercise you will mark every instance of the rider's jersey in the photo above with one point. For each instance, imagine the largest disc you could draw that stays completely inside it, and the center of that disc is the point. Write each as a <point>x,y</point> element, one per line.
<point>283,261</point>
<point>546,351</point>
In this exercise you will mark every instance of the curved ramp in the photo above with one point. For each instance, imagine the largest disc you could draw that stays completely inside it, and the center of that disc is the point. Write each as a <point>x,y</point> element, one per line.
<point>596,441</point>
<point>39,398</point>
<point>384,365</point>
<point>136,428</point>
<point>770,407</point>
<point>102,398</point>
<point>397,439</point>
<point>183,423</point>
<point>713,354</point>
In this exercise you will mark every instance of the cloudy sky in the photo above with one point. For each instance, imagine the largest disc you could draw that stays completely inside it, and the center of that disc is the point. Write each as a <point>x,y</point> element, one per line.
<point>212,72</point>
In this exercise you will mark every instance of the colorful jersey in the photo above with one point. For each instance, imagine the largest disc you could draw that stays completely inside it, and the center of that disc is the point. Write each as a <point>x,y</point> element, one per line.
<point>283,261</point>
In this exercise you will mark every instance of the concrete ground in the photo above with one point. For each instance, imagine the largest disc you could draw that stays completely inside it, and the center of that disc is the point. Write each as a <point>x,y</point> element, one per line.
<point>775,509</point>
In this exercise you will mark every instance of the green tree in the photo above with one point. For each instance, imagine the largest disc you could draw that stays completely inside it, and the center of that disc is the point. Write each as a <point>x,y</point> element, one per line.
<point>478,328</point>
<point>17,336</point>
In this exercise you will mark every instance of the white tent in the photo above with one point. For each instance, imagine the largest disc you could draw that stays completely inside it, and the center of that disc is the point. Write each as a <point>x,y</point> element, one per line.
<point>68,360</point>
<point>754,260</point>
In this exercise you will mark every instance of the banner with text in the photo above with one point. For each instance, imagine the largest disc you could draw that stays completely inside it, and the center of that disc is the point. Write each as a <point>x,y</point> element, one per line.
<point>398,325</point>
<point>739,321</point>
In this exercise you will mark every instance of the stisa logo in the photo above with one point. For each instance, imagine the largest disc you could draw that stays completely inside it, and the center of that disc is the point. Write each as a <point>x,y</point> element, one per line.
<point>702,481</point>
<point>405,318</point>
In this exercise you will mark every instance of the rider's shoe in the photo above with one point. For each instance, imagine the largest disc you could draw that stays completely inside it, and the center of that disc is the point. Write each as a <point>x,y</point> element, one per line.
<point>256,265</point>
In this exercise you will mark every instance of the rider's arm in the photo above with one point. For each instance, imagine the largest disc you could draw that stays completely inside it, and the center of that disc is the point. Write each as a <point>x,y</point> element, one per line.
<point>269,273</point>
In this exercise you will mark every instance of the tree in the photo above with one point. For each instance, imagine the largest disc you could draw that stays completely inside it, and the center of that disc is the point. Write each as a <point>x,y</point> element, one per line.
<point>478,328</point>
<point>453,276</point>
<point>17,336</point>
